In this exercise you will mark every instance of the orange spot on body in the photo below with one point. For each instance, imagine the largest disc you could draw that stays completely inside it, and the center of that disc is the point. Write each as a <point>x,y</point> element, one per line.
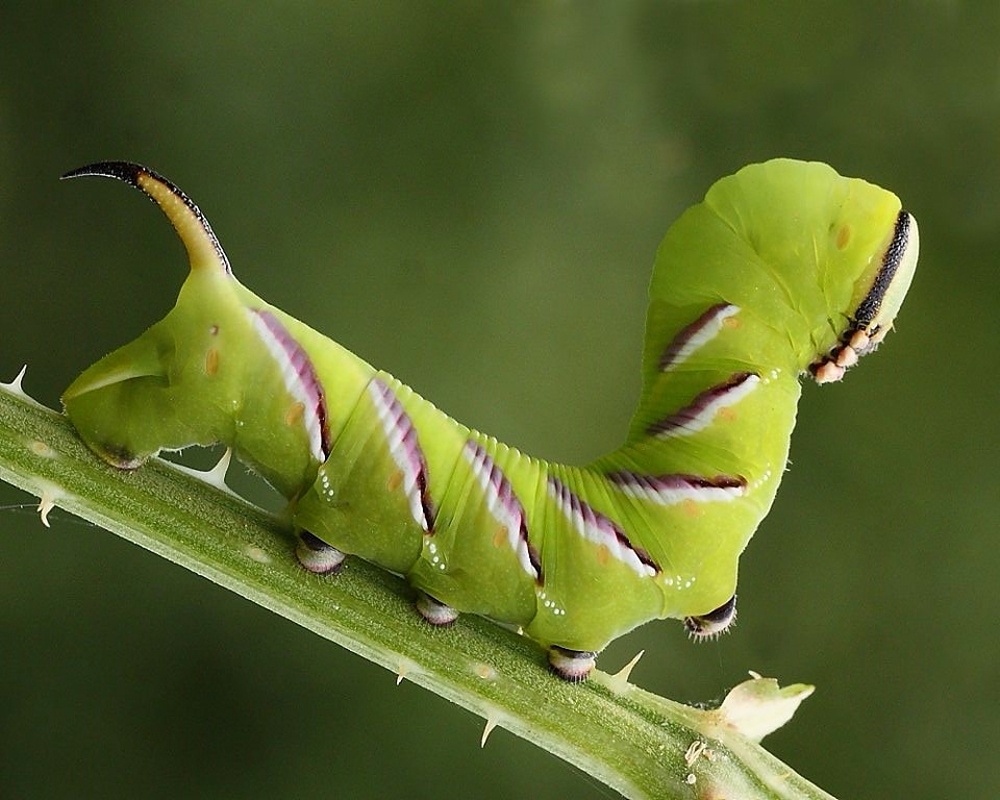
<point>690,508</point>
<point>211,362</point>
<point>603,555</point>
<point>732,323</point>
<point>499,536</point>
<point>395,480</point>
<point>727,413</point>
<point>843,236</point>
<point>294,414</point>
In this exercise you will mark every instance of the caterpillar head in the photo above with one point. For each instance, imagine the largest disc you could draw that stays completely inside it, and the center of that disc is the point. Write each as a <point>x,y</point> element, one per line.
<point>822,260</point>
<point>887,285</point>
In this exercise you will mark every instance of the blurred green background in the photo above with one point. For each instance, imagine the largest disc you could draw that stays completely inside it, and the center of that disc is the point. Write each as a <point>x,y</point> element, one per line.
<point>470,195</point>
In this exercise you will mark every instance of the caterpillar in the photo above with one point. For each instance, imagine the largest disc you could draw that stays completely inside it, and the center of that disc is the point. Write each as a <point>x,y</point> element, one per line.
<point>784,269</point>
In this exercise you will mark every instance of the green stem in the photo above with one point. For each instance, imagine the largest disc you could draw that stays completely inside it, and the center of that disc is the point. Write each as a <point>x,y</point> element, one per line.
<point>633,741</point>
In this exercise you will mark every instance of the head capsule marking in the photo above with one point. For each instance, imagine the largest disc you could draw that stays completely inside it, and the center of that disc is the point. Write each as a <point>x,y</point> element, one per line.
<point>874,316</point>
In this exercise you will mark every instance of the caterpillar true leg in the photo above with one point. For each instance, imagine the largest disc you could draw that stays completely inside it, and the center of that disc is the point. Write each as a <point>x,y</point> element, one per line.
<point>317,556</point>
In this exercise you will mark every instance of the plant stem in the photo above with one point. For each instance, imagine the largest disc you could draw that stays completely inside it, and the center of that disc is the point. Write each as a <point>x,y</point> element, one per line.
<point>633,741</point>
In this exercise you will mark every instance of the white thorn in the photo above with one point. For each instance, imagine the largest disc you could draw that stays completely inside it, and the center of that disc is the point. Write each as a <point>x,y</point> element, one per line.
<point>216,476</point>
<point>47,493</point>
<point>16,387</point>
<point>45,504</point>
<point>618,682</point>
<point>491,723</point>
<point>17,384</point>
<point>401,673</point>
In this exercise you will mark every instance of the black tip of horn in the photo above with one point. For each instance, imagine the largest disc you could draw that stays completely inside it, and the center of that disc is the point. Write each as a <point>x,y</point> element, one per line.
<point>122,170</point>
<point>131,173</point>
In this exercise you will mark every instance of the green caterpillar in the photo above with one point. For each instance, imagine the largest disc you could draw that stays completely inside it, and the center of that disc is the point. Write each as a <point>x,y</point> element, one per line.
<point>785,268</point>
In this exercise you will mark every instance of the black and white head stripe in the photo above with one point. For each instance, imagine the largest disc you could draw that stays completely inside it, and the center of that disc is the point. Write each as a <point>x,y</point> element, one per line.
<point>902,247</point>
